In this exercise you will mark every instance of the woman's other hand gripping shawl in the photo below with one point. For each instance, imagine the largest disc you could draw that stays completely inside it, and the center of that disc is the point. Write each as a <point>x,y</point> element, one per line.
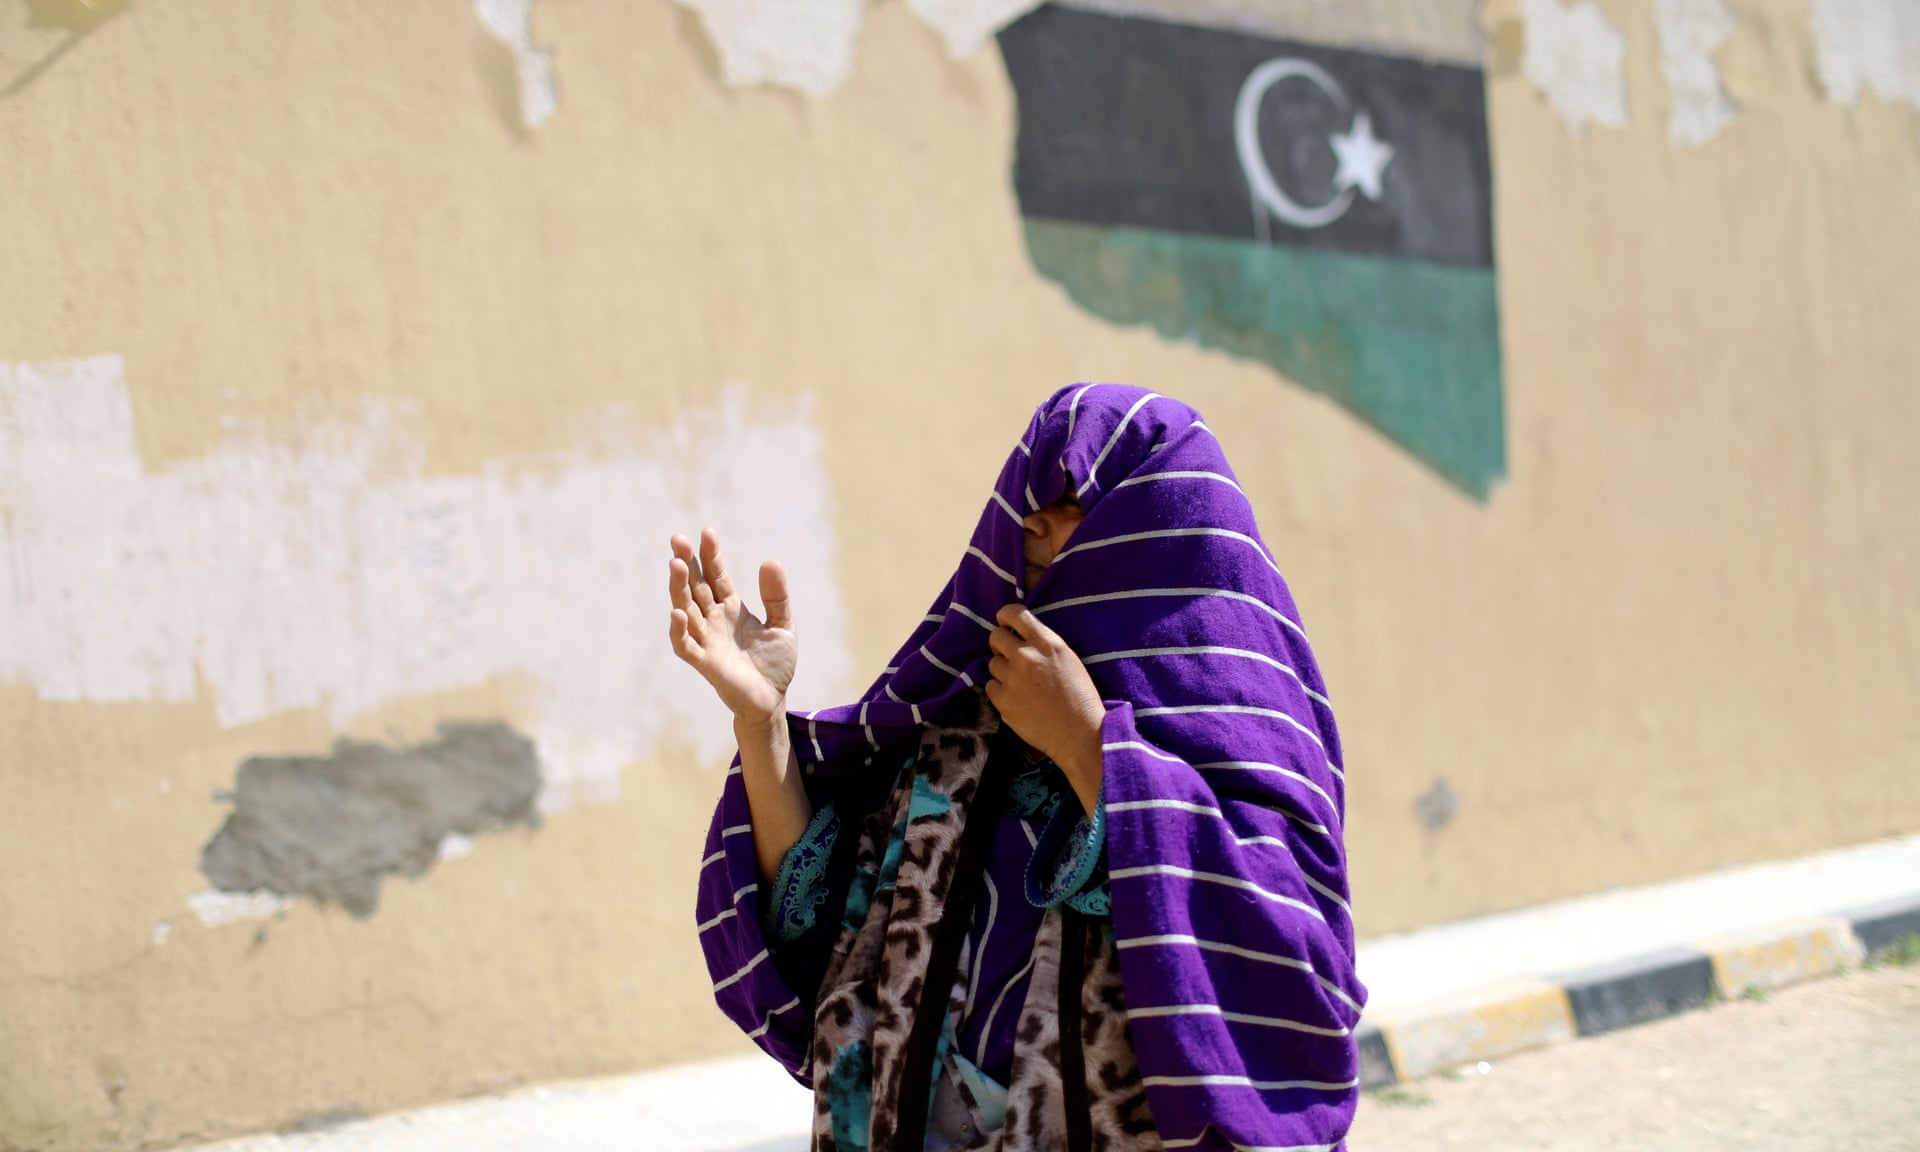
<point>1223,792</point>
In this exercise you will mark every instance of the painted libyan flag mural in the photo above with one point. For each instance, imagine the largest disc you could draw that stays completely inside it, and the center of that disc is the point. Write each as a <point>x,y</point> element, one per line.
<point>1327,212</point>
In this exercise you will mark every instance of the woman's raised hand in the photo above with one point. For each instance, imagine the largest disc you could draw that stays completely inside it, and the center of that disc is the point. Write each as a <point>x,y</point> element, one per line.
<point>749,661</point>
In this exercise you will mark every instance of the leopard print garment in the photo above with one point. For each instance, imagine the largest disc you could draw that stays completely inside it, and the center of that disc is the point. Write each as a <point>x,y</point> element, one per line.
<point>904,868</point>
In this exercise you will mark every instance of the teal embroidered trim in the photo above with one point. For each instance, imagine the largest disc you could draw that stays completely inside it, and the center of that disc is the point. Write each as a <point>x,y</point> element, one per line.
<point>799,889</point>
<point>1069,858</point>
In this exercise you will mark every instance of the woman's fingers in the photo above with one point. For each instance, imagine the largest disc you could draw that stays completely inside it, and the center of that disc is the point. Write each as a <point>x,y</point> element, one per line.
<point>713,567</point>
<point>1023,622</point>
<point>680,636</point>
<point>773,595</point>
<point>1004,641</point>
<point>680,591</point>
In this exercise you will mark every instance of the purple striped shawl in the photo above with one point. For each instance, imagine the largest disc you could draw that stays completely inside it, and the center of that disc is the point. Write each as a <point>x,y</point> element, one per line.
<point>1223,787</point>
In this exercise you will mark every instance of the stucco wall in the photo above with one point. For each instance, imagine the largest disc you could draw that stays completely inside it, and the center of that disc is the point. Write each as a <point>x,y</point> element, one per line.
<point>355,360</point>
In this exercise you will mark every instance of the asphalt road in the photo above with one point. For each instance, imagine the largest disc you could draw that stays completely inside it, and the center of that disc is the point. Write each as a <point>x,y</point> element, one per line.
<point>1833,1064</point>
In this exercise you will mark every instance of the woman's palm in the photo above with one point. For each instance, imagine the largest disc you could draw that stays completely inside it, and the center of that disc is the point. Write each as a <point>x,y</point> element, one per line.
<point>749,661</point>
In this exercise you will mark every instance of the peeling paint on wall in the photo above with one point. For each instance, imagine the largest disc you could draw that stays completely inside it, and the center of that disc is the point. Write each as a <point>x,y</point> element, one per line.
<point>803,44</point>
<point>968,24</point>
<point>217,908</point>
<point>336,572</point>
<point>1868,45</point>
<point>1436,30</point>
<point>1691,31</point>
<point>511,23</point>
<point>1577,59</point>
<point>332,827</point>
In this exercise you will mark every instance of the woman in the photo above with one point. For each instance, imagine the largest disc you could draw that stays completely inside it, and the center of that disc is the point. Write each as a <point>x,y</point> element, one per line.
<point>1095,807</point>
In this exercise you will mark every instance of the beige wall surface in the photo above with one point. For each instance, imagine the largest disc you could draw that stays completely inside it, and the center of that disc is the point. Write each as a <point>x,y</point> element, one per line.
<point>356,358</point>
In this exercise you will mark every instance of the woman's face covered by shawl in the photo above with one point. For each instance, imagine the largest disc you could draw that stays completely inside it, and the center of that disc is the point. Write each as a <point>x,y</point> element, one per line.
<point>1045,534</point>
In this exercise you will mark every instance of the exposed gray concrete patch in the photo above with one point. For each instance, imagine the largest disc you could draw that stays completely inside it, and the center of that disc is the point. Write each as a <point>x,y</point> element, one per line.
<point>1446,31</point>
<point>511,23</point>
<point>1862,45</point>
<point>1577,59</point>
<point>1435,808</point>
<point>330,827</point>
<point>1690,32</point>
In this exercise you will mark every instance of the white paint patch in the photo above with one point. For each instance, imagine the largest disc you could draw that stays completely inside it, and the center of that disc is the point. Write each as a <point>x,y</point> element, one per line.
<point>1862,45</point>
<point>967,24</point>
<point>1444,31</point>
<point>454,845</point>
<point>162,932</point>
<point>511,23</point>
<point>1691,31</point>
<point>217,908</point>
<point>1578,61</point>
<point>803,44</point>
<point>337,573</point>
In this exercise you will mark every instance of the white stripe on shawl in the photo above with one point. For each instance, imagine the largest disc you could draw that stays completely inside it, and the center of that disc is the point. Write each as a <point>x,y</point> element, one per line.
<point>1002,501</point>
<point>1215,878</point>
<point>1258,766</point>
<point>813,733</point>
<point>1244,1082</point>
<point>1073,410</point>
<point>868,728</point>
<point>1142,805</point>
<point>735,830</point>
<point>1209,810</point>
<point>974,551</point>
<point>1180,474</point>
<point>1171,534</point>
<point>1136,746</point>
<point>970,614</point>
<point>720,855</point>
<point>1140,593</point>
<point>1031,502</point>
<point>986,1029</point>
<point>914,708</point>
<point>1243,953</point>
<point>762,1030</point>
<point>1238,1147</point>
<point>1125,422</point>
<point>727,915</point>
<point>1235,1018</point>
<point>1209,650</point>
<point>739,892</point>
<point>945,667</point>
<point>1245,710</point>
<point>980,946</point>
<point>744,969</point>
<point>1327,892</point>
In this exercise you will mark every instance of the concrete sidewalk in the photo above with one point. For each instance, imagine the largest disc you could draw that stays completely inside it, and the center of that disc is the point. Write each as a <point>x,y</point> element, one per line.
<point>1440,997</point>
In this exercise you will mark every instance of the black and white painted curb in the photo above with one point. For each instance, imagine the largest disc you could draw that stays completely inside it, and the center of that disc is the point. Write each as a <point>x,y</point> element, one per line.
<point>1523,1014</point>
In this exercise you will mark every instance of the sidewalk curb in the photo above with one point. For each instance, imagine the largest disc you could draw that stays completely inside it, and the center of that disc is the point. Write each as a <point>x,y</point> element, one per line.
<point>1520,1015</point>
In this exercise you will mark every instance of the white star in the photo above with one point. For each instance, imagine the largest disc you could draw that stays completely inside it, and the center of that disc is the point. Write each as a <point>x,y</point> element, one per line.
<point>1362,158</point>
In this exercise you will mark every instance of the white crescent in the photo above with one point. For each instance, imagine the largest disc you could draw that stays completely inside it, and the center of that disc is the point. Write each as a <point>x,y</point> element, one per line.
<point>1253,162</point>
